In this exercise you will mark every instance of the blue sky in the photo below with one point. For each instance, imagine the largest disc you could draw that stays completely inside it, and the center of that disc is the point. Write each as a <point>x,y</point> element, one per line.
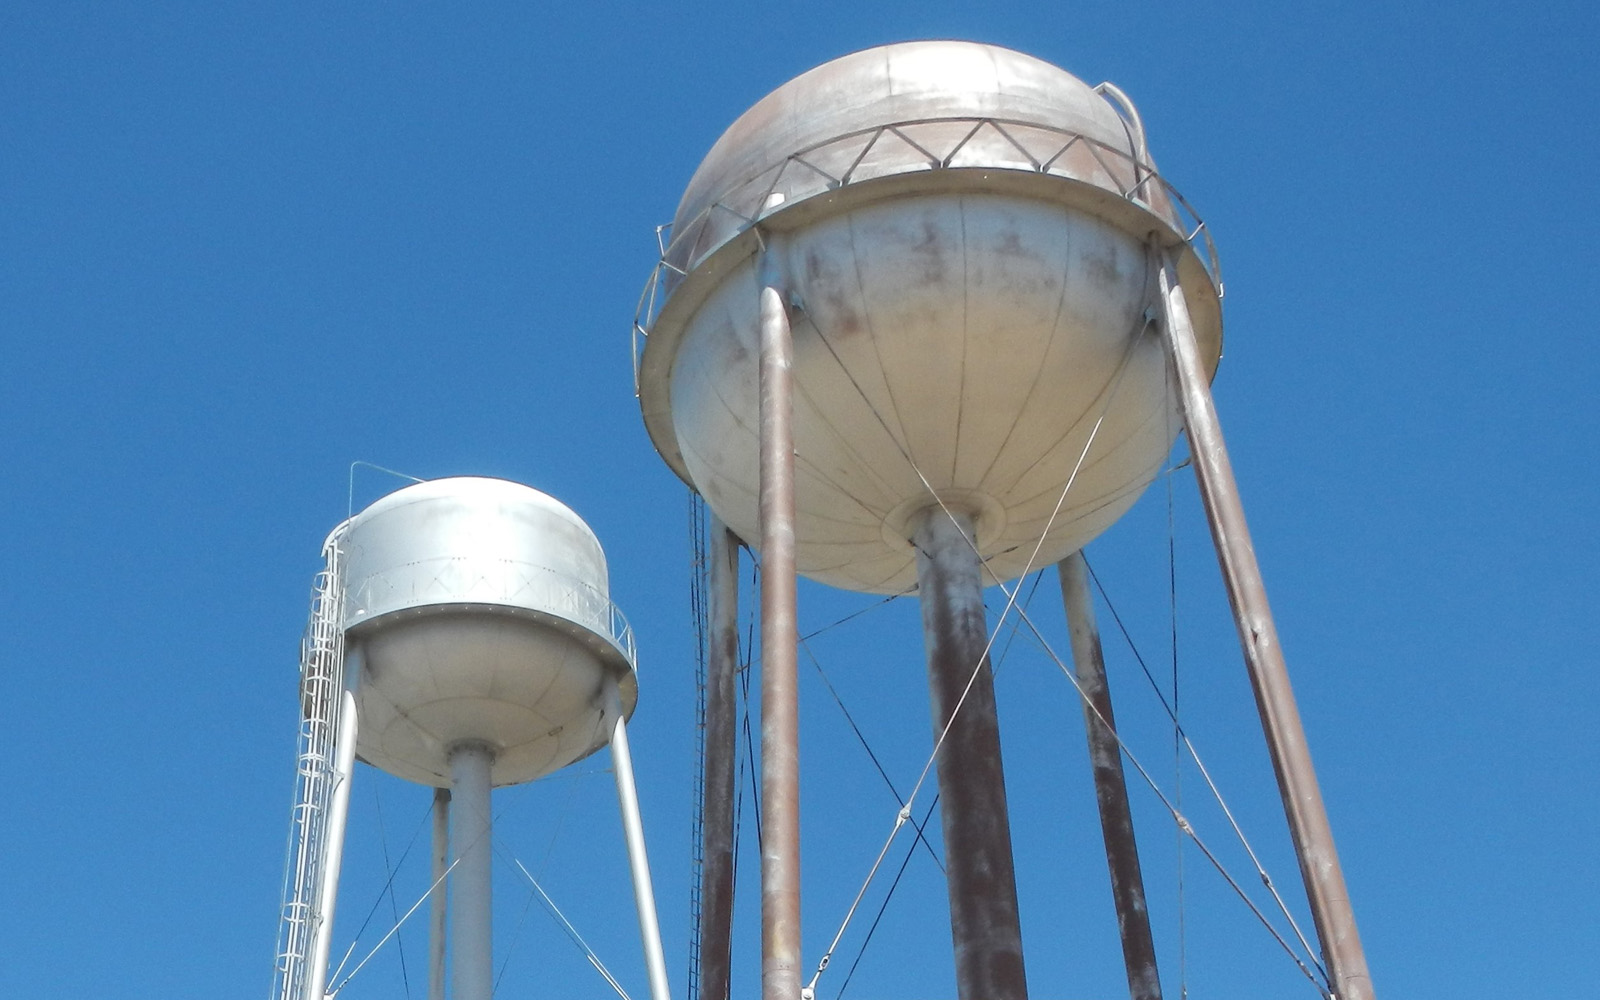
<point>243,247</point>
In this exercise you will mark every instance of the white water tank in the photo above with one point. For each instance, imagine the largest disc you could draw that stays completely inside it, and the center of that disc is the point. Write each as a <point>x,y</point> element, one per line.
<point>963,235</point>
<point>479,612</point>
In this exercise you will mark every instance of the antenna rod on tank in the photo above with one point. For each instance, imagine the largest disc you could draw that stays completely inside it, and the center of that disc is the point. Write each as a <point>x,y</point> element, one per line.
<point>1110,787</point>
<point>1269,674</point>
<point>780,711</point>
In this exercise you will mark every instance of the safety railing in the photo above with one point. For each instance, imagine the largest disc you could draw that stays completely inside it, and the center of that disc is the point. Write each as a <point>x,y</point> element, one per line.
<point>995,144</point>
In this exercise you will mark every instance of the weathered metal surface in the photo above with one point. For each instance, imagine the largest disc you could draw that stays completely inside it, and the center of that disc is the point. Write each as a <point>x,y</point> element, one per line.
<point>1110,787</point>
<point>780,710</point>
<point>962,320</point>
<point>1263,655</point>
<point>981,875</point>
<point>721,734</point>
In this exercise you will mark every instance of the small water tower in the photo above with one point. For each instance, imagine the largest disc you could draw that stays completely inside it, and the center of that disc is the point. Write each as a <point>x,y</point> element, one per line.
<point>462,638</point>
<point>914,326</point>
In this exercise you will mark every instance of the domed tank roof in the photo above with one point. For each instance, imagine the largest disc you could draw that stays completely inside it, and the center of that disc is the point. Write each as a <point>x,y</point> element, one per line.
<point>904,82</point>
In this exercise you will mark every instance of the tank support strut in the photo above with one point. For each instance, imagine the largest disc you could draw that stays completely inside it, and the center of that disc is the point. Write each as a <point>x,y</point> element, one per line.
<point>780,711</point>
<point>438,894</point>
<point>1263,656</point>
<point>644,895</point>
<point>721,722</point>
<point>1110,788</point>
<point>981,875</point>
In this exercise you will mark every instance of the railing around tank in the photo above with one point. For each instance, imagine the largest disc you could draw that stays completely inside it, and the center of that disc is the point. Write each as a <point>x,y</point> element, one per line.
<point>470,580</point>
<point>965,143</point>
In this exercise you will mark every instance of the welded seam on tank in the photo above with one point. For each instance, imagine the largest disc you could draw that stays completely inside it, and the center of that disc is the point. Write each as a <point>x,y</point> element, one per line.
<point>1038,375</point>
<point>715,386</point>
<point>902,441</point>
<point>1140,326</point>
<point>1111,451</point>
<point>840,439</point>
<point>966,343</point>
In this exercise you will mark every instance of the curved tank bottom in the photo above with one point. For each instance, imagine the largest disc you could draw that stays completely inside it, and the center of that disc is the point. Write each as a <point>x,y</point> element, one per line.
<point>981,350</point>
<point>480,611</point>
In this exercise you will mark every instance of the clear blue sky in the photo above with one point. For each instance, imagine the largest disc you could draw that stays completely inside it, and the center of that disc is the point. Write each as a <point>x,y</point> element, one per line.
<point>244,245</point>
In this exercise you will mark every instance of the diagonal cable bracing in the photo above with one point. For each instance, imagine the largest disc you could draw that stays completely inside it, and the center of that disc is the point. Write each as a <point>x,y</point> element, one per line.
<point>572,932</point>
<point>1178,817</point>
<point>1011,602</point>
<point>1205,774</point>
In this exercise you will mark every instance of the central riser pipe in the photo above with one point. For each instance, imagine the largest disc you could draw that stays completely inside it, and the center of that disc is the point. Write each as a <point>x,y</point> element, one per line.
<point>977,828</point>
<point>471,828</point>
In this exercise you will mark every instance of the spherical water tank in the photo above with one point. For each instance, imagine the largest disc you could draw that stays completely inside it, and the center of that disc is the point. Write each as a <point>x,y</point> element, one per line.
<point>963,235</point>
<point>479,611</point>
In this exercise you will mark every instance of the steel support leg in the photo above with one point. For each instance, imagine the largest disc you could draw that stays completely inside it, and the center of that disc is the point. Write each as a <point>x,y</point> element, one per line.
<point>780,714</point>
<point>439,894</point>
<point>644,895</point>
<point>1269,676</point>
<point>471,831</point>
<point>977,828</point>
<point>1110,788</point>
<point>344,765</point>
<point>721,732</point>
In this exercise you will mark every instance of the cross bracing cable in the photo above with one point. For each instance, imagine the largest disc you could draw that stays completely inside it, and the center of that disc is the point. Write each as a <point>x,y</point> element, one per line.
<point>1178,817</point>
<point>1011,597</point>
<point>572,932</point>
<point>1205,774</point>
<point>392,931</point>
<point>386,890</point>
<point>901,818</point>
<point>1011,601</point>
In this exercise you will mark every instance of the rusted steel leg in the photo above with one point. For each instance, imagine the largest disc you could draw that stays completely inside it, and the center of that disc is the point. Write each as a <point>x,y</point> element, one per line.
<point>977,828</point>
<point>716,875</point>
<point>780,714</point>
<point>1269,676</point>
<point>1110,789</point>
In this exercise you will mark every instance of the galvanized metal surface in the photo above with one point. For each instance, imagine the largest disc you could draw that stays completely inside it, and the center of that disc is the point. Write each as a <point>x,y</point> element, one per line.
<point>471,887</point>
<point>721,734</point>
<point>1263,655</point>
<point>1110,788</point>
<point>438,896</point>
<point>514,585</point>
<point>981,874</point>
<point>644,894</point>
<point>780,709</point>
<point>963,305</point>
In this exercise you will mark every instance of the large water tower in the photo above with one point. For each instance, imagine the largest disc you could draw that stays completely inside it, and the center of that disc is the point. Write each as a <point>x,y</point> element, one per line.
<point>917,324</point>
<point>463,638</point>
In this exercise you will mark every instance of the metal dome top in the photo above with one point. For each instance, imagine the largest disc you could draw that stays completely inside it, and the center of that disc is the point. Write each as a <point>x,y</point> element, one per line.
<point>910,108</point>
<point>890,84</point>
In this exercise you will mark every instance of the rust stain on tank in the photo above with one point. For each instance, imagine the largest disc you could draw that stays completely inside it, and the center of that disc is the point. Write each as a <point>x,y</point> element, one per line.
<point>826,296</point>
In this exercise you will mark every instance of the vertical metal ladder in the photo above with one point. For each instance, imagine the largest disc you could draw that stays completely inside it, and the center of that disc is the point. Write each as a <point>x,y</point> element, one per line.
<point>321,681</point>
